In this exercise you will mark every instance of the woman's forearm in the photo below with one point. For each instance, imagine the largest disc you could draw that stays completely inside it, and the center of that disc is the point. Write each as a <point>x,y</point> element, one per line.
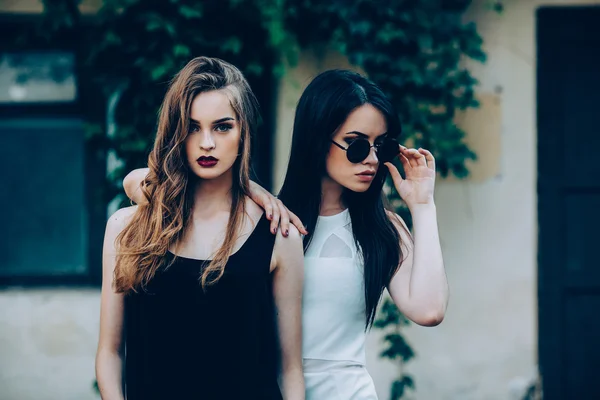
<point>428,283</point>
<point>420,287</point>
<point>109,375</point>
<point>293,384</point>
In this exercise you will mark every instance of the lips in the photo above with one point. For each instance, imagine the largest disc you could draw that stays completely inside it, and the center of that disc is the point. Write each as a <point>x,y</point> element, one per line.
<point>207,162</point>
<point>366,176</point>
<point>367,173</point>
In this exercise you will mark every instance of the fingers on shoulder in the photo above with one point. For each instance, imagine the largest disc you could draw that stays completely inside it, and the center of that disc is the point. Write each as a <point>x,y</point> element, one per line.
<point>294,233</point>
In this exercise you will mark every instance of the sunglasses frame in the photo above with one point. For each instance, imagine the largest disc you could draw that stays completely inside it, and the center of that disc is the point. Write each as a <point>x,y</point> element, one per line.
<point>377,146</point>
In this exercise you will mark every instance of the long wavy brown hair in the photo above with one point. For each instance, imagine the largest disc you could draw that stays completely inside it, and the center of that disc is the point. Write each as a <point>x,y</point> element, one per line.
<point>162,222</point>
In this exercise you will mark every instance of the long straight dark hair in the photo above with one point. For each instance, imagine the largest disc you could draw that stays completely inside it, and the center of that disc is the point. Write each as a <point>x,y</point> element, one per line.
<point>323,108</point>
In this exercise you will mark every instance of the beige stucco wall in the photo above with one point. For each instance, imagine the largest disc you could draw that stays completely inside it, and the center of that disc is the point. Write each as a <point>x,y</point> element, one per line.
<point>48,340</point>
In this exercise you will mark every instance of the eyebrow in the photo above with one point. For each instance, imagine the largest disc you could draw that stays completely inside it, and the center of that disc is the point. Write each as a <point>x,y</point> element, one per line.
<point>215,122</point>
<point>364,135</point>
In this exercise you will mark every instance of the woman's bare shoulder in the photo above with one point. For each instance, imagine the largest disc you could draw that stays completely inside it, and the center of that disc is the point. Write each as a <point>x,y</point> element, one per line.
<point>121,218</point>
<point>253,211</point>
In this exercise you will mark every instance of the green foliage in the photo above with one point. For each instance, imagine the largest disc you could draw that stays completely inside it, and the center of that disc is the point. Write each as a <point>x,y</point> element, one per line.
<point>413,49</point>
<point>395,346</point>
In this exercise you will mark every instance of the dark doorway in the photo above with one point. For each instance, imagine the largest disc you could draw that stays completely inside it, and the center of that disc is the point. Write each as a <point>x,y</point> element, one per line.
<point>568,98</point>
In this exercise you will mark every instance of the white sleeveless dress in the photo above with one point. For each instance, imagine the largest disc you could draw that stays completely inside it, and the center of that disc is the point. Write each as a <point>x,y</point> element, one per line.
<point>333,315</point>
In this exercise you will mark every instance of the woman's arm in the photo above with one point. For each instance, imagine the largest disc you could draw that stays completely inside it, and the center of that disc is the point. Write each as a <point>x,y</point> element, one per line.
<point>419,288</point>
<point>132,184</point>
<point>288,261</point>
<point>276,211</point>
<point>109,357</point>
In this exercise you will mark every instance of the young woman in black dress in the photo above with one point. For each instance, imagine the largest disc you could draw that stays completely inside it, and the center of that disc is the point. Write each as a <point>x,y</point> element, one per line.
<point>199,299</point>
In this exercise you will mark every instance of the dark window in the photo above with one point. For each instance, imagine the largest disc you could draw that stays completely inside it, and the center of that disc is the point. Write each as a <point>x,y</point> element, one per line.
<point>42,158</point>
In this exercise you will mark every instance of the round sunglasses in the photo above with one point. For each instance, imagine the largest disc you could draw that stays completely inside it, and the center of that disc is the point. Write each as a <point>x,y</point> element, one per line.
<point>359,149</point>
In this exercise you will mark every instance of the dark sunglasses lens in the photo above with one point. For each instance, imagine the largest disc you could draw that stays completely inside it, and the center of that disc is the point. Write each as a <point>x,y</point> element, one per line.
<point>358,150</point>
<point>388,150</point>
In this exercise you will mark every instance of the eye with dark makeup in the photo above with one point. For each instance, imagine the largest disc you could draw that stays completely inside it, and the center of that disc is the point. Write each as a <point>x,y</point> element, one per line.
<point>223,127</point>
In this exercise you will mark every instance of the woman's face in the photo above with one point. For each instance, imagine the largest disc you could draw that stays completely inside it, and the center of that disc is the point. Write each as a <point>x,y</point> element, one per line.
<point>363,122</point>
<point>213,142</point>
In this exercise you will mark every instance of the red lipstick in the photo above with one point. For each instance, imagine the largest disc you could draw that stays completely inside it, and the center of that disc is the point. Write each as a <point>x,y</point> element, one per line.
<point>207,162</point>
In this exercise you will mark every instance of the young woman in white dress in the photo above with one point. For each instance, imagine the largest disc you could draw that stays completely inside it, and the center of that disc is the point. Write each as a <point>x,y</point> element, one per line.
<point>343,141</point>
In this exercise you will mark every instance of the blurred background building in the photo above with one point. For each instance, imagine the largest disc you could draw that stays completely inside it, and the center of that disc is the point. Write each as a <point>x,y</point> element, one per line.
<point>517,234</point>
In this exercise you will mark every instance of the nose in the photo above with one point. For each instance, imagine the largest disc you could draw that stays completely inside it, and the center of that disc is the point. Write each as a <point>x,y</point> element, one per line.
<point>372,157</point>
<point>207,142</point>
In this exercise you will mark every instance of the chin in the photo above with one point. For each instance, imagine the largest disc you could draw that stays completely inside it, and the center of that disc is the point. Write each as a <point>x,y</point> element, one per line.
<point>208,174</point>
<point>358,187</point>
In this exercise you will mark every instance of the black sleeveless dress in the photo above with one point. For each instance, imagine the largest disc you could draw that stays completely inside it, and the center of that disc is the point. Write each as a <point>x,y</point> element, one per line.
<point>183,343</point>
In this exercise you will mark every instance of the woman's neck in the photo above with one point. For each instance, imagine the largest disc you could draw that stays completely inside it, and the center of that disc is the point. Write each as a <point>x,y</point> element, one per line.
<point>212,196</point>
<point>331,197</point>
